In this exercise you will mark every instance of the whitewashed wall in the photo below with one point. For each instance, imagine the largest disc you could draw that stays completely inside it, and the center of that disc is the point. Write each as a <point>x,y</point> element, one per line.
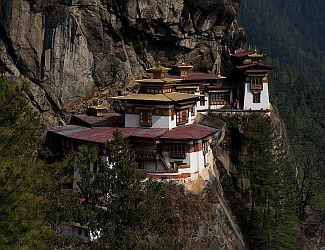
<point>248,98</point>
<point>203,107</point>
<point>133,121</point>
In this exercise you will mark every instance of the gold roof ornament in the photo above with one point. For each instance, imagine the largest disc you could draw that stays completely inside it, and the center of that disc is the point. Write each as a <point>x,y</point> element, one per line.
<point>184,66</point>
<point>256,54</point>
<point>97,108</point>
<point>184,69</point>
<point>97,104</point>
<point>158,69</point>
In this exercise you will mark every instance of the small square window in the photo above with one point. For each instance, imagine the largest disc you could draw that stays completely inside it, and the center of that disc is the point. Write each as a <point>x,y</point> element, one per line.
<point>257,83</point>
<point>146,118</point>
<point>256,97</point>
<point>182,117</point>
<point>177,151</point>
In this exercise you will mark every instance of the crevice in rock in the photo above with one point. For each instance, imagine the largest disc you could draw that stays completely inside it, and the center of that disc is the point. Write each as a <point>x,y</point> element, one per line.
<point>23,69</point>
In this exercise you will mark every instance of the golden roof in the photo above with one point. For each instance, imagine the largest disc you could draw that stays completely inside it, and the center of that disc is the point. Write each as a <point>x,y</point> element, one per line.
<point>168,97</point>
<point>98,107</point>
<point>162,80</point>
<point>184,66</point>
<point>256,54</point>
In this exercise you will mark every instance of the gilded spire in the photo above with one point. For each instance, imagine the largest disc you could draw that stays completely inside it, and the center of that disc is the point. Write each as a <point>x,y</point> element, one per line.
<point>158,71</point>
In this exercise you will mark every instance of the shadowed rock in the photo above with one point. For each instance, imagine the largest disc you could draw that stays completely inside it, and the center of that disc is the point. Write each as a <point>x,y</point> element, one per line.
<point>68,49</point>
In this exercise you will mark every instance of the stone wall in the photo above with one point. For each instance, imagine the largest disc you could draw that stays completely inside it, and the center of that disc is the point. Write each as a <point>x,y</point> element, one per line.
<point>72,50</point>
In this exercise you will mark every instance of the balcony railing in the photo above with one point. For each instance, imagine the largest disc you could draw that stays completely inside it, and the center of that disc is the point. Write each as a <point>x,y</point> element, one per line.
<point>146,155</point>
<point>177,155</point>
<point>156,171</point>
<point>256,86</point>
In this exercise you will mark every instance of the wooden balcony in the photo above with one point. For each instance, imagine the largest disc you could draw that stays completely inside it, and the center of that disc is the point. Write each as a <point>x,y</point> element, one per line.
<point>257,87</point>
<point>146,155</point>
<point>177,155</point>
<point>148,171</point>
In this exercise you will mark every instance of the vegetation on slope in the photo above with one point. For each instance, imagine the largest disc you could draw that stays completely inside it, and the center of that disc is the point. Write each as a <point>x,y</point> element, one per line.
<point>23,177</point>
<point>266,203</point>
<point>292,33</point>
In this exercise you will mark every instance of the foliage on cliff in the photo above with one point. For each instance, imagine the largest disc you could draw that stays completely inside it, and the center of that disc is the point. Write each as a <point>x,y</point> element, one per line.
<point>22,176</point>
<point>128,211</point>
<point>292,33</point>
<point>266,205</point>
<point>122,209</point>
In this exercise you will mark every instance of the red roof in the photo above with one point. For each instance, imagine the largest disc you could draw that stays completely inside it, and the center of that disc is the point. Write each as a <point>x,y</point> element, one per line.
<point>189,132</point>
<point>104,134</point>
<point>255,66</point>
<point>149,133</point>
<point>223,85</point>
<point>68,130</point>
<point>241,53</point>
<point>100,134</point>
<point>107,120</point>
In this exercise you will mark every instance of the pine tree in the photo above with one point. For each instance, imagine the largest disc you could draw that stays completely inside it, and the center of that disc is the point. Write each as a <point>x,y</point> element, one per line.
<point>126,211</point>
<point>22,176</point>
<point>273,212</point>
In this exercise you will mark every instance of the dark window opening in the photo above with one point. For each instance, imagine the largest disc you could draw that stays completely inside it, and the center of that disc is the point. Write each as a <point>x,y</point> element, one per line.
<point>256,97</point>
<point>182,117</point>
<point>95,167</point>
<point>146,118</point>
<point>202,101</point>
<point>219,98</point>
<point>177,151</point>
<point>256,83</point>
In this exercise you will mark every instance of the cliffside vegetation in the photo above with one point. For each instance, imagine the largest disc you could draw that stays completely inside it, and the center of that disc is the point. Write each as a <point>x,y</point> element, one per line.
<point>122,210</point>
<point>23,178</point>
<point>266,200</point>
<point>126,211</point>
<point>292,33</point>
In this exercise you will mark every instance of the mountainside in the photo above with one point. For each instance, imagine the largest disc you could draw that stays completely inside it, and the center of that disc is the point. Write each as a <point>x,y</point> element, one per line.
<point>68,49</point>
<point>292,32</point>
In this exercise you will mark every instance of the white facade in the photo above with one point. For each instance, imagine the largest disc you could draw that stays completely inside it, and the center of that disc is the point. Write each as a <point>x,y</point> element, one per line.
<point>206,103</point>
<point>248,98</point>
<point>168,122</point>
<point>133,121</point>
<point>216,106</point>
<point>75,231</point>
<point>196,161</point>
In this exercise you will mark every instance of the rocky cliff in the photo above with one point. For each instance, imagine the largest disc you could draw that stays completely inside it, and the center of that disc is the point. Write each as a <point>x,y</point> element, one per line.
<point>71,50</point>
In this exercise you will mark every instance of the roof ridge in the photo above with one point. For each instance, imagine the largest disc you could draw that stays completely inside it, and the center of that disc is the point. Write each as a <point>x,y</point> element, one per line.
<point>168,97</point>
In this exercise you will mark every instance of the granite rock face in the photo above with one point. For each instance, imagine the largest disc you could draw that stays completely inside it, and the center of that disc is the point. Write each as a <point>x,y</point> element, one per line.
<point>72,49</point>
